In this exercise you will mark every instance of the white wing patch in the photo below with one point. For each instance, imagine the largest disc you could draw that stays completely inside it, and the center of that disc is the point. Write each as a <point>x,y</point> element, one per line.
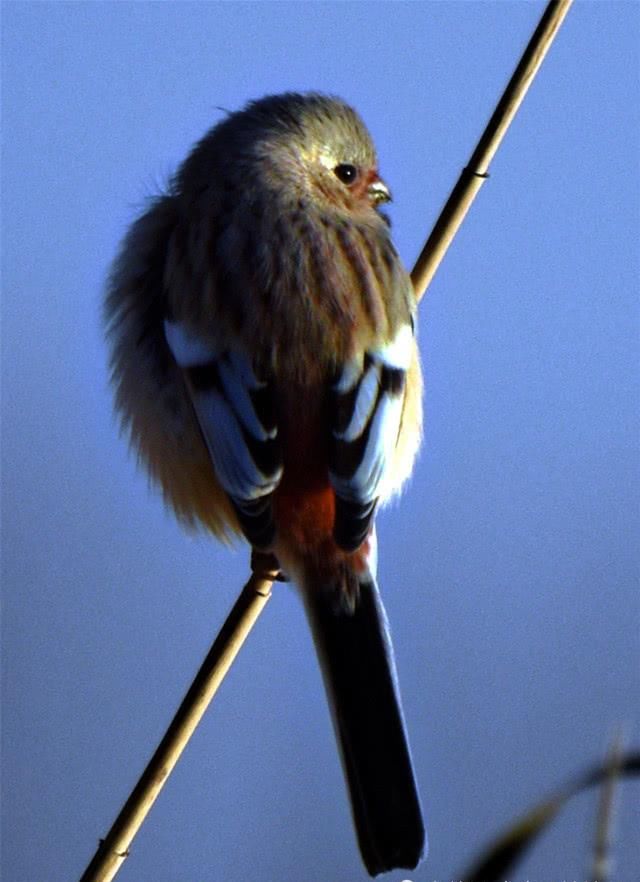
<point>397,353</point>
<point>366,389</point>
<point>368,401</point>
<point>238,381</point>
<point>236,415</point>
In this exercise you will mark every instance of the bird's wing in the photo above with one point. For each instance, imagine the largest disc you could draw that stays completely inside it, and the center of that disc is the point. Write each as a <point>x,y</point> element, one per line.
<point>235,411</point>
<point>367,403</point>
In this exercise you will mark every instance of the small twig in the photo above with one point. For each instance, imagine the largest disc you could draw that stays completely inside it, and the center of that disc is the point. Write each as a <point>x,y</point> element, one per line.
<point>477,170</point>
<point>504,854</point>
<point>604,833</point>
<point>114,849</point>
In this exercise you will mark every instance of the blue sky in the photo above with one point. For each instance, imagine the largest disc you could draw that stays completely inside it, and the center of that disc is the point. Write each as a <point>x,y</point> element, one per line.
<point>510,567</point>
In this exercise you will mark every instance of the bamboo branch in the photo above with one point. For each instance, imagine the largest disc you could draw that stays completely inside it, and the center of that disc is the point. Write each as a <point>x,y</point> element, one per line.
<point>114,849</point>
<point>476,172</point>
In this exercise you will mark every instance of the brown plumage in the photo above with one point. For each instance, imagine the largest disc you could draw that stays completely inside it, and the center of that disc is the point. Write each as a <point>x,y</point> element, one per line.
<point>265,367</point>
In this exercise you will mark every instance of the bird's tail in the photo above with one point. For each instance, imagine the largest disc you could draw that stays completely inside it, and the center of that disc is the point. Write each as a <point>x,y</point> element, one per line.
<point>355,652</point>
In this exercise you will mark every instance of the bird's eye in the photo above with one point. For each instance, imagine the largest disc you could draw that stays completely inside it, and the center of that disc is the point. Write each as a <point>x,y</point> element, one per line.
<point>346,172</point>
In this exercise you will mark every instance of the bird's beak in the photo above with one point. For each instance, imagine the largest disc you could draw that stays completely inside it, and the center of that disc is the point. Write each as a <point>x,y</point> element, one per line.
<point>378,192</point>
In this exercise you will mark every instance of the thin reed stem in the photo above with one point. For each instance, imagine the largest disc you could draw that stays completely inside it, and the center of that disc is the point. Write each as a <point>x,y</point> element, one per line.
<point>602,862</point>
<point>476,171</point>
<point>114,849</point>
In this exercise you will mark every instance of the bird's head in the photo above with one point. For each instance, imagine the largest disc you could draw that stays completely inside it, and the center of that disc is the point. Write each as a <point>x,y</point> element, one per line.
<point>320,144</point>
<point>308,146</point>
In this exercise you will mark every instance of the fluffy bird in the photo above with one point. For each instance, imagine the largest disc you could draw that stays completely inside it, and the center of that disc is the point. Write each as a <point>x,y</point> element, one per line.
<point>264,360</point>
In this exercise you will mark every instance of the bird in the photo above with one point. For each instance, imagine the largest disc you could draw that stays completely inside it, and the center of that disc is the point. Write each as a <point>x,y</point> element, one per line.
<point>262,339</point>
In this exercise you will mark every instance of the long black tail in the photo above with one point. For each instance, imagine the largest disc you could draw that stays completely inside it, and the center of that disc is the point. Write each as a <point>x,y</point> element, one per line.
<point>356,655</point>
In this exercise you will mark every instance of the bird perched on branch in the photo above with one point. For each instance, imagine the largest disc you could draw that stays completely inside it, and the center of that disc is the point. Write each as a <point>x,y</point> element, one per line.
<point>264,360</point>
